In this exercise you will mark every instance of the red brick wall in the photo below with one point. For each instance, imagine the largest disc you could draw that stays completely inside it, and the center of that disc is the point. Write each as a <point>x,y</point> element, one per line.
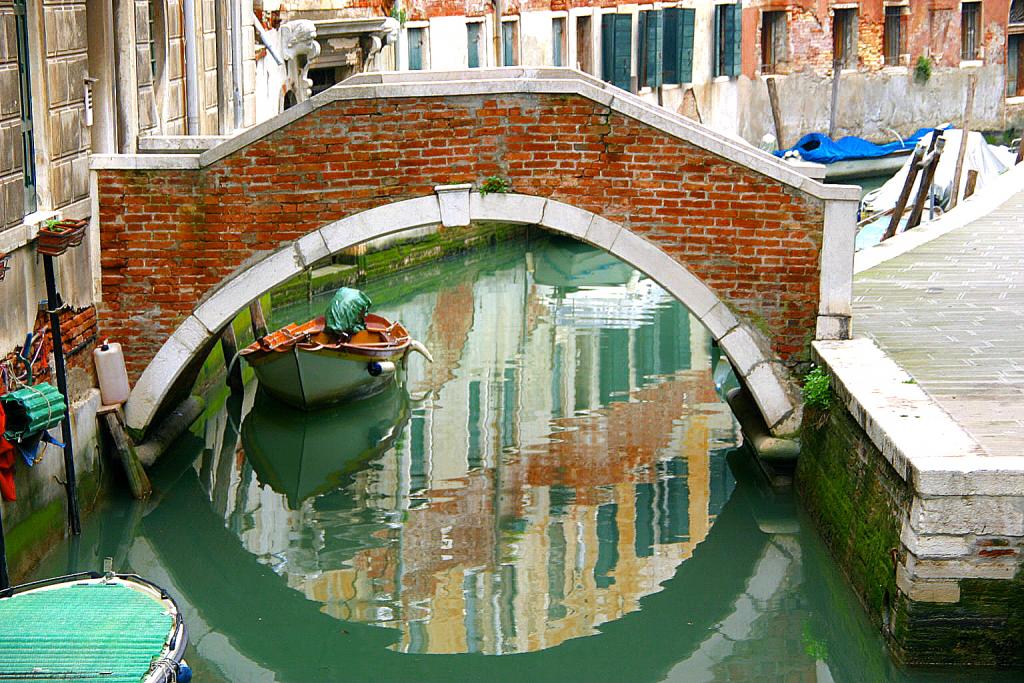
<point>79,335</point>
<point>169,236</point>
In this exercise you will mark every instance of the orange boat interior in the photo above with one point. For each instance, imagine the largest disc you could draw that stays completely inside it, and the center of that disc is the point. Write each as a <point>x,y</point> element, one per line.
<point>380,335</point>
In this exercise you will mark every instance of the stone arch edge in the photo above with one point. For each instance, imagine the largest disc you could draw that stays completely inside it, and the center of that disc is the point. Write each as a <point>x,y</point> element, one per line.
<point>455,206</point>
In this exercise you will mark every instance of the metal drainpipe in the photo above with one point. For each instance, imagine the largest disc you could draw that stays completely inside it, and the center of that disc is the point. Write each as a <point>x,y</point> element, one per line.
<point>497,33</point>
<point>191,69</point>
<point>236,61</point>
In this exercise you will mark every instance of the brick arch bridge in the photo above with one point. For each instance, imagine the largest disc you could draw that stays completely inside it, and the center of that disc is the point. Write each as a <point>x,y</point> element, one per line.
<point>761,253</point>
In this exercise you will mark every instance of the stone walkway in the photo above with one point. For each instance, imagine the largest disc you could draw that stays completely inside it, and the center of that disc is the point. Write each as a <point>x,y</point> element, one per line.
<point>951,313</point>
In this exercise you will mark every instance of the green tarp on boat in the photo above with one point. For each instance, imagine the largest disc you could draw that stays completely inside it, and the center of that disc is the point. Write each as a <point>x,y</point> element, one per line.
<point>81,631</point>
<point>347,312</point>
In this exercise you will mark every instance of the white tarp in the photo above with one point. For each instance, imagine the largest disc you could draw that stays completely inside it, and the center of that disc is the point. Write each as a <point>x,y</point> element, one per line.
<point>988,160</point>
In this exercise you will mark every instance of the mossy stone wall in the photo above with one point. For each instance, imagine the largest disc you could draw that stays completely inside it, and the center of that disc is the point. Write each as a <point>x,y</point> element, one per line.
<point>859,503</point>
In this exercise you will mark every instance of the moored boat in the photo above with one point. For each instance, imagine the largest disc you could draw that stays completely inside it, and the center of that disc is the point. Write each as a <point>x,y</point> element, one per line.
<point>346,355</point>
<point>110,627</point>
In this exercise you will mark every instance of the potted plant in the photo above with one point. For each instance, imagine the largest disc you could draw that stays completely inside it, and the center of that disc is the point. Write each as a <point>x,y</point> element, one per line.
<point>77,226</point>
<point>55,236</point>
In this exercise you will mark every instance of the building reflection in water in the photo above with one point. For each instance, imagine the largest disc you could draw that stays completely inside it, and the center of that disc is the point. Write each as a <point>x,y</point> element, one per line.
<point>562,457</point>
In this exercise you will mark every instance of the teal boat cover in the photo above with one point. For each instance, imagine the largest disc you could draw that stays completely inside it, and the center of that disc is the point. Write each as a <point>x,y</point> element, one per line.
<point>85,631</point>
<point>347,312</point>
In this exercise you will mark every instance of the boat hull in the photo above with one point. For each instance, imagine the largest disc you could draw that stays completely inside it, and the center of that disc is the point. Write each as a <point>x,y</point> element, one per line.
<point>311,379</point>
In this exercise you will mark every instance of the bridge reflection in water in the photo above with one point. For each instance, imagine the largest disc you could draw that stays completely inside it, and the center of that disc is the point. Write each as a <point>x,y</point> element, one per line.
<point>555,486</point>
<point>564,455</point>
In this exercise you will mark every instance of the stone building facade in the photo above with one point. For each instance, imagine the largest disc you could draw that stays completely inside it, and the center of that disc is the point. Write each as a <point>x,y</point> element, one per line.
<point>710,60</point>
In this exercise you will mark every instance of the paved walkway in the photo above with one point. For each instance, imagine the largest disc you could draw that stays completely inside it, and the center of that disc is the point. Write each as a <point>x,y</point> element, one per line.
<point>951,313</point>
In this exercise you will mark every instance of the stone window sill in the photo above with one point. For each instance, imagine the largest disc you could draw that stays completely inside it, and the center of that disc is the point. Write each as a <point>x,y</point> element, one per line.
<point>1015,100</point>
<point>969,63</point>
<point>895,70</point>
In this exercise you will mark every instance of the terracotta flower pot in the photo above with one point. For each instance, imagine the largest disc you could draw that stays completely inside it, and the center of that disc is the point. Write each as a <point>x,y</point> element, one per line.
<point>53,240</point>
<point>77,227</point>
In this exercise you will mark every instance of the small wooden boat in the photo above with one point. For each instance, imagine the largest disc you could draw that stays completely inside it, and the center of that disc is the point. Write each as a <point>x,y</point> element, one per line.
<point>109,627</point>
<point>309,366</point>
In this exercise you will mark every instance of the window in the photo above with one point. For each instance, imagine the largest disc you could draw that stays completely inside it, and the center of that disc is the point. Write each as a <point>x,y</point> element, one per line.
<point>510,43</point>
<point>895,32</point>
<point>728,30</point>
<point>677,62</point>
<point>417,38</point>
<point>773,41</point>
<point>1015,65</point>
<point>28,147</point>
<point>970,21</point>
<point>473,44</point>
<point>584,45</point>
<point>616,49</point>
<point>650,48</point>
<point>844,38</point>
<point>558,41</point>
<point>1015,50</point>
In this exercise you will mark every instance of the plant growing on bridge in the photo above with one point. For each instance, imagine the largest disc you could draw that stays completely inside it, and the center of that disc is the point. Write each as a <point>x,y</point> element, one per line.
<point>494,185</point>
<point>817,391</point>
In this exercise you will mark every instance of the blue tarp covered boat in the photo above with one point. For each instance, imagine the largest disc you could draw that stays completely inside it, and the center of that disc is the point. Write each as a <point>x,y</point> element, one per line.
<point>821,149</point>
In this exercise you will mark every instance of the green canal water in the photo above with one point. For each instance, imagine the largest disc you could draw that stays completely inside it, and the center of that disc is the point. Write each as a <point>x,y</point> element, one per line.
<point>561,496</point>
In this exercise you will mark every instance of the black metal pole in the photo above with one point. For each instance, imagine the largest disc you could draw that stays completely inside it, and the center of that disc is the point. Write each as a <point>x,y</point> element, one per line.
<point>53,304</point>
<point>5,578</point>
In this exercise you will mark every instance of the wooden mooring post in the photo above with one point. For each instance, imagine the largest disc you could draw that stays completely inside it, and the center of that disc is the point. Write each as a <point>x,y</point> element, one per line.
<point>229,345</point>
<point>908,187</point>
<point>972,181</point>
<point>257,320</point>
<point>138,482</point>
<point>773,100</point>
<point>930,163</point>
<point>837,68</point>
<point>965,132</point>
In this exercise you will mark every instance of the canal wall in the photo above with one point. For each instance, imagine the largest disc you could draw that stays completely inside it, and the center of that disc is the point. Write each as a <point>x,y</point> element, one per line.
<point>929,529</point>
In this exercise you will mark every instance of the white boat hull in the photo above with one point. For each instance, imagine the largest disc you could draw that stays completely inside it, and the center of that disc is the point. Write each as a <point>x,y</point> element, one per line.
<point>309,379</point>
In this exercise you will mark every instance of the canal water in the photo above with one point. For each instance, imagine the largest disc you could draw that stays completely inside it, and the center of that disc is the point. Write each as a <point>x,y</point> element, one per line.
<point>562,495</point>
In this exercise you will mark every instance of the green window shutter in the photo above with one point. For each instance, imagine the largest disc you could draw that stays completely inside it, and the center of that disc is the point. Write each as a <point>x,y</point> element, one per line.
<point>623,50</point>
<point>415,49</point>
<point>473,45</point>
<point>737,39</point>
<point>607,46</point>
<point>654,44</point>
<point>641,48</point>
<point>557,30</point>
<point>508,37</point>
<point>28,147</point>
<point>686,18</point>
<point>616,49</point>
<point>670,53</point>
<point>716,52</point>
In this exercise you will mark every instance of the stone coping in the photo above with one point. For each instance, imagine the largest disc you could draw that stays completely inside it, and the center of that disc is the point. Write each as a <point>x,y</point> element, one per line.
<point>179,144</point>
<point>978,205</point>
<point>925,446</point>
<point>496,82</point>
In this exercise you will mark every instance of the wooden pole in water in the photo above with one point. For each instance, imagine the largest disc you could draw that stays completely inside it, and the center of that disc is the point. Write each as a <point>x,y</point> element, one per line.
<point>972,180</point>
<point>229,345</point>
<point>137,479</point>
<point>908,186</point>
<point>773,99</point>
<point>837,67</point>
<point>54,305</point>
<point>931,162</point>
<point>1020,151</point>
<point>258,320</point>
<point>972,84</point>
